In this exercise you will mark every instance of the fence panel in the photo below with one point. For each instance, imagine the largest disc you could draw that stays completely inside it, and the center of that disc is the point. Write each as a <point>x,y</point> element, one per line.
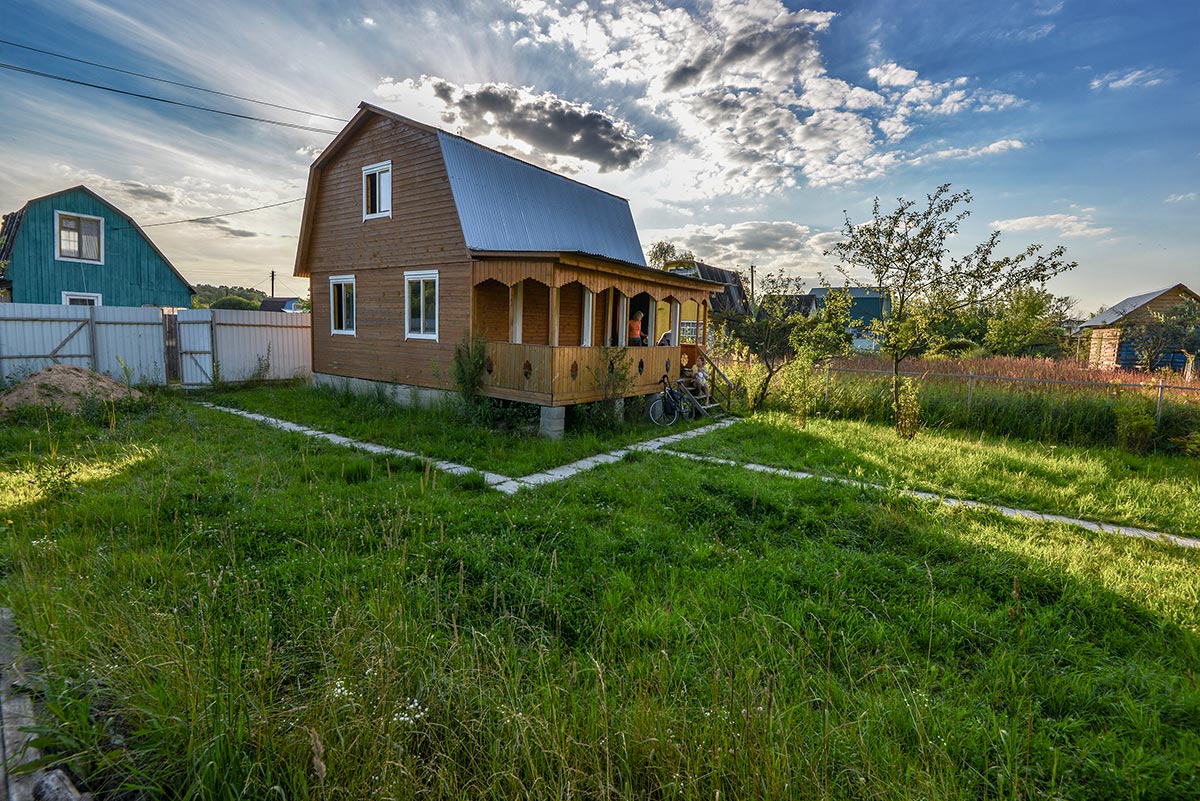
<point>129,344</point>
<point>34,336</point>
<point>262,345</point>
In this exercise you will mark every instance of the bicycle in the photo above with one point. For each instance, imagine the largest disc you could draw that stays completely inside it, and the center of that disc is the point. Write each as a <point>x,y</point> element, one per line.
<point>670,405</point>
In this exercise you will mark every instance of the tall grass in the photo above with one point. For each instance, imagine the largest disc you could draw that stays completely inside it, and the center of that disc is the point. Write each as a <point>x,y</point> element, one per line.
<point>218,620</point>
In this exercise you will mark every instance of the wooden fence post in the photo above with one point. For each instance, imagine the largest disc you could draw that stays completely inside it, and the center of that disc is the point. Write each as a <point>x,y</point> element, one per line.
<point>828,370</point>
<point>970,391</point>
<point>1158,415</point>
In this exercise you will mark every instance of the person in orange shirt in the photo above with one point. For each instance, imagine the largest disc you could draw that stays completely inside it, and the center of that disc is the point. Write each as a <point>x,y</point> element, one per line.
<point>635,329</point>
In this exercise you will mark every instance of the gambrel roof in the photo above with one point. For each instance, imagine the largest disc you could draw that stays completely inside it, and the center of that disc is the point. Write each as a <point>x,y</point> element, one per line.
<point>505,204</point>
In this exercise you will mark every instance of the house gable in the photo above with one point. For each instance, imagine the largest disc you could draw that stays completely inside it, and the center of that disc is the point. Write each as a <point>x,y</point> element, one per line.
<point>132,271</point>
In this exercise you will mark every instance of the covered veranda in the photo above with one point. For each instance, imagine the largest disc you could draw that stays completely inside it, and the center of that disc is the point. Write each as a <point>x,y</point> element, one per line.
<point>549,322</point>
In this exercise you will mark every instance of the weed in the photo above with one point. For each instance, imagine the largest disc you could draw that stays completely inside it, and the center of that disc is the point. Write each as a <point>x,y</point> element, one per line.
<point>1135,427</point>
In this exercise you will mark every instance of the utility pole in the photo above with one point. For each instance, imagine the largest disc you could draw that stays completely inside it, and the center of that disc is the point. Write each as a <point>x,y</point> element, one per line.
<point>752,301</point>
<point>272,283</point>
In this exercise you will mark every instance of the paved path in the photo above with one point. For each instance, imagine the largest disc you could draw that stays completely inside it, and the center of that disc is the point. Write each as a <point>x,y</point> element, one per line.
<point>510,486</point>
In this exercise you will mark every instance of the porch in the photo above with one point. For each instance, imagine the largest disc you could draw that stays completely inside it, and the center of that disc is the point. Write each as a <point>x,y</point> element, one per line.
<point>550,326</point>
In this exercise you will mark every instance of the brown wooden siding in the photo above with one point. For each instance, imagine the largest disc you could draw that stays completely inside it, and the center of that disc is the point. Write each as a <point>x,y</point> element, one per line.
<point>492,321</point>
<point>570,314</point>
<point>422,233</point>
<point>567,375</point>
<point>378,350</point>
<point>535,314</point>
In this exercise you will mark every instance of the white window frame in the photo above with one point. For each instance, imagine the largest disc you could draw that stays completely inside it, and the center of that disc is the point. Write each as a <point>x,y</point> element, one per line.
<point>58,256</point>
<point>95,297</point>
<point>422,275</point>
<point>384,170</point>
<point>342,280</point>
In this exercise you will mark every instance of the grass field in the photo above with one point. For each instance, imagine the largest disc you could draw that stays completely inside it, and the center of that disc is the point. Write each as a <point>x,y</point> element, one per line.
<point>223,610</point>
<point>442,435</point>
<point>1105,484</point>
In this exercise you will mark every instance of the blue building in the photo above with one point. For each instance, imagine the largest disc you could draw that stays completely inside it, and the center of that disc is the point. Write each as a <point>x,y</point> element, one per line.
<point>867,304</point>
<point>75,248</point>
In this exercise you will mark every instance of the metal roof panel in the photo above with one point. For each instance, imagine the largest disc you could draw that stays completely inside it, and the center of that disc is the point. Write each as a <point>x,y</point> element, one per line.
<point>507,204</point>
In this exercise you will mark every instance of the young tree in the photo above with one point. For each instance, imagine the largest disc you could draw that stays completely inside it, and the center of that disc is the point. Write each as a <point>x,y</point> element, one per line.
<point>906,252</point>
<point>662,253</point>
<point>1027,321</point>
<point>776,333</point>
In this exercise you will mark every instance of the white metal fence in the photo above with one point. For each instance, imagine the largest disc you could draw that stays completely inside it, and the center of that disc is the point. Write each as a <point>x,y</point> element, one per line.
<point>242,345</point>
<point>131,344</point>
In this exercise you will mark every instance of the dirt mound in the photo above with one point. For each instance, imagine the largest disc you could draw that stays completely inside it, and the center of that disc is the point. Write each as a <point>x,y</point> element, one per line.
<point>64,386</point>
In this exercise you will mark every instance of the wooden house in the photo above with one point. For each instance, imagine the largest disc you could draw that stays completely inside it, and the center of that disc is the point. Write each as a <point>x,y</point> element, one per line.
<point>74,247</point>
<point>1110,349</point>
<point>416,240</point>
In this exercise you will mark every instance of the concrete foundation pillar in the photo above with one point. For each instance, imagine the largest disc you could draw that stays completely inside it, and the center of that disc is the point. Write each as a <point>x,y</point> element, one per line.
<point>554,421</point>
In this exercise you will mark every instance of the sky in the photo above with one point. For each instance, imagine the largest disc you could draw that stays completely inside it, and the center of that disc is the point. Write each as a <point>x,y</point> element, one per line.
<point>744,130</point>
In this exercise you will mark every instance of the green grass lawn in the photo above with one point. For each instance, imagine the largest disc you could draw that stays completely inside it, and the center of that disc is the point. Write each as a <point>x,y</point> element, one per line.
<point>224,610</point>
<point>433,433</point>
<point>1159,492</point>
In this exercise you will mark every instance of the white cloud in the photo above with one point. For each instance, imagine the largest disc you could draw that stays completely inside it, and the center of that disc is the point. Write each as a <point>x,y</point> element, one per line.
<point>368,22</point>
<point>892,75</point>
<point>1070,225</point>
<point>999,146</point>
<point>1130,79</point>
<point>1181,197</point>
<point>770,245</point>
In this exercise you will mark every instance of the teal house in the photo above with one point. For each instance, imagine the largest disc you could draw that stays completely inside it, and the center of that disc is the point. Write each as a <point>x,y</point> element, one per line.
<point>75,248</point>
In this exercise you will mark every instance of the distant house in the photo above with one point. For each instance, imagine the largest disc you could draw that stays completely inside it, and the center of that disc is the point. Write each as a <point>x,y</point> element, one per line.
<point>730,300</point>
<point>288,305</point>
<point>867,305</point>
<point>74,247</point>
<point>1109,348</point>
<point>416,240</point>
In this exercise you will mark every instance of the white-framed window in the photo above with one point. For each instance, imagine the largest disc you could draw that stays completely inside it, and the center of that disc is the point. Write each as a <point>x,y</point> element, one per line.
<point>421,303</point>
<point>78,237</point>
<point>377,190</point>
<point>341,304</point>
<point>82,299</point>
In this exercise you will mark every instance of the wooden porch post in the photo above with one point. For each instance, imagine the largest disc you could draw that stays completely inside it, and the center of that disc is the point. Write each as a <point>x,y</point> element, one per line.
<point>589,311</point>
<point>648,323</point>
<point>702,338</point>
<point>676,315</point>
<point>553,311</point>
<point>623,321</point>
<point>516,297</point>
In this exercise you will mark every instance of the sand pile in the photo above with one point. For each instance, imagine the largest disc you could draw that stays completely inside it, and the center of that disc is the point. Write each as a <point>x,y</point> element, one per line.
<point>64,386</point>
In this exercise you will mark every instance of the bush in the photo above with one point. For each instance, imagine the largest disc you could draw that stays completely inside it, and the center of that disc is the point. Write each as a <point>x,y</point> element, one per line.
<point>955,349</point>
<point>907,408</point>
<point>1135,427</point>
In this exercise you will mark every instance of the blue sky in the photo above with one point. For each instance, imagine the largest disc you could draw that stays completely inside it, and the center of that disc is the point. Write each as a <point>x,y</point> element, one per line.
<point>739,128</point>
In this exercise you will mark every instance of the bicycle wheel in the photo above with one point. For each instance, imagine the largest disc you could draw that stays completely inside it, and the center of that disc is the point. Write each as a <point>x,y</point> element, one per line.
<point>659,414</point>
<point>687,409</point>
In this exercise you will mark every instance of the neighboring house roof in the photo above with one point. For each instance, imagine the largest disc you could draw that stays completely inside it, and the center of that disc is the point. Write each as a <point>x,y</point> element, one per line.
<point>8,236</point>
<point>508,205</point>
<point>855,291</point>
<point>1114,315</point>
<point>9,242</point>
<point>731,300</point>
<point>277,304</point>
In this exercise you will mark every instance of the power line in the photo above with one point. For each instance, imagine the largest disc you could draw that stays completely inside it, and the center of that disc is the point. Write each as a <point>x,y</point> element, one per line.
<point>166,80</point>
<point>52,76</point>
<point>226,214</point>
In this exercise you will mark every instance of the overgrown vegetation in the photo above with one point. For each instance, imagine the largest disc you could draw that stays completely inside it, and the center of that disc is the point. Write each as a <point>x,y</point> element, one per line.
<point>222,621</point>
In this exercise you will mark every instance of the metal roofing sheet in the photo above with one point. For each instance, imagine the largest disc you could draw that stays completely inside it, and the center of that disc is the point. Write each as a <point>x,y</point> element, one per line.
<point>506,204</point>
<point>1124,307</point>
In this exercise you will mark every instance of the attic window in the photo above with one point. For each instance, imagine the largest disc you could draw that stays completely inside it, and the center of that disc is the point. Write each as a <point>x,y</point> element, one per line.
<point>80,238</point>
<point>377,190</point>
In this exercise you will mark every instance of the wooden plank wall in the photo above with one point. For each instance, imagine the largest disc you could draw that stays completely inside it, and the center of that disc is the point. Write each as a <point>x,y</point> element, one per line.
<point>535,314</point>
<point>133,274</point>
<point>422,233</point>
<point>491,312</point>
<point>570,314</point>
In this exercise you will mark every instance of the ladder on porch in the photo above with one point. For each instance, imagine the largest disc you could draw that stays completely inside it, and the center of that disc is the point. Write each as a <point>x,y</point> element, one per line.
<point>708,403</point>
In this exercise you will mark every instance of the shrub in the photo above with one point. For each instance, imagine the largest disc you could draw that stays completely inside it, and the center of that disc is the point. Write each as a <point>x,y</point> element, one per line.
<point>1135,427</point>
<point>907,408</point>
<point>467,368</point>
